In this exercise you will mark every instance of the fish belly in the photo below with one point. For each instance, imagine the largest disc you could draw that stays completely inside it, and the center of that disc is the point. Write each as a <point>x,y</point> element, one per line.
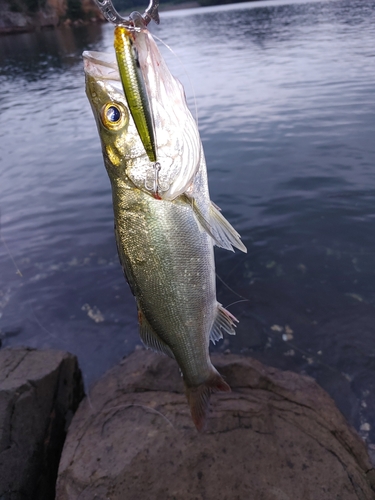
<point>169,264</point>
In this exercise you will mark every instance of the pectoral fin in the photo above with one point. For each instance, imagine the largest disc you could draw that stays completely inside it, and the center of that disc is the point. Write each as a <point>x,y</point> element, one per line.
<point>224,322</point>
<point>216,225</point>
<point>150,338</point>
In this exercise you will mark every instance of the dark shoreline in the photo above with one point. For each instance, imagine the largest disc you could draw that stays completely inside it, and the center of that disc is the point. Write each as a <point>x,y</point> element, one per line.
<point>19,18</point>
<point>39,21</point>
<point>25,22</point>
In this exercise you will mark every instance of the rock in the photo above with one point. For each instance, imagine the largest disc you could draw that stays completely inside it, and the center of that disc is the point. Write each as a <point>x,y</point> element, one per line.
<point>20,19</point>
<point>276,436</point>
<point>39,393</point>
<point>16,16</point>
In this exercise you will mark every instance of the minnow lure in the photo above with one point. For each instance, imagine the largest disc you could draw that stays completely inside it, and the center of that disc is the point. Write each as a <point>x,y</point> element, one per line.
<point>134,88</point>
<point>130,70</point>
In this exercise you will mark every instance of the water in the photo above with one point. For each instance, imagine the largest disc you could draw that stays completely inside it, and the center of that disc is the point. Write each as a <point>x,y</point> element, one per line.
<point>285,97</point>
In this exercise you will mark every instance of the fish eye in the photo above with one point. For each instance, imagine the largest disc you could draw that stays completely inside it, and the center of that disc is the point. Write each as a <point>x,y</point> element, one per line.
<point>114,115</point>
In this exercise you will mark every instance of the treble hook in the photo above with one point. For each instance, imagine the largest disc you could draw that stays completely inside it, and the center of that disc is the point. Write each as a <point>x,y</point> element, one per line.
<point>110,13</point>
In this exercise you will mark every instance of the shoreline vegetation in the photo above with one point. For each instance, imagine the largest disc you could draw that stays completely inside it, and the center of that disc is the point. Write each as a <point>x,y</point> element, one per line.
<point>18,16</point>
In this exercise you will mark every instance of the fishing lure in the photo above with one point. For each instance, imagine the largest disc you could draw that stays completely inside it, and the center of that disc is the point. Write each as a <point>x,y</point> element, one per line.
<point>131,73</point>
<point>134,88</point>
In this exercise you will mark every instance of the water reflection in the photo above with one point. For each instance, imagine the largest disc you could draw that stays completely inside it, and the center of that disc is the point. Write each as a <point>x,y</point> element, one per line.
<point>36,55</point>
<point>284,92</point>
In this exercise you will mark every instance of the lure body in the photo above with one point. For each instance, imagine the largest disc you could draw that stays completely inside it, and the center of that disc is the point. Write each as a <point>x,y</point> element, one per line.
<point>134,88</point>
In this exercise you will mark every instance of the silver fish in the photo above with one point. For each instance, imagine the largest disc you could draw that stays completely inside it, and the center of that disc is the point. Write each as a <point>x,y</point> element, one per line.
<point>165,223</point>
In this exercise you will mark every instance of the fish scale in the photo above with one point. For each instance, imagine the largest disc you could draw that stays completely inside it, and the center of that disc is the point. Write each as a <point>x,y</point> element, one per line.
<point>169,264</point>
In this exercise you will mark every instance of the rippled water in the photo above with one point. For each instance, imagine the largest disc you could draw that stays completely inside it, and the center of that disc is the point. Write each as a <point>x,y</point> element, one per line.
<point>285,98</point>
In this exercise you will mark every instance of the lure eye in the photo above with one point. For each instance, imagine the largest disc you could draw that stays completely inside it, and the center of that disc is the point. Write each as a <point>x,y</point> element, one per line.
<point>114,116</point>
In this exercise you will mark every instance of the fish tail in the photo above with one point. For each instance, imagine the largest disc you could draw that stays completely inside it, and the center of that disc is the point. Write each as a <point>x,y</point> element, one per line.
<point>199,398</point>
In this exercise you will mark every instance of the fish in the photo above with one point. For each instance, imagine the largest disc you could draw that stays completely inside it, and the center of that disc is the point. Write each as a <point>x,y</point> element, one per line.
<point>165,223</point>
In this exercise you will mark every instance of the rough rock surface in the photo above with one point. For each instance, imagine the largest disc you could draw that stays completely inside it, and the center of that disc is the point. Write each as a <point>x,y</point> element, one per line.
<point>276,436</point>
<point>39,392</point>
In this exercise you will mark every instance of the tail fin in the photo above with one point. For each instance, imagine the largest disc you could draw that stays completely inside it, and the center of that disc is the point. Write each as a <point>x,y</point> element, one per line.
<point>199,398</point>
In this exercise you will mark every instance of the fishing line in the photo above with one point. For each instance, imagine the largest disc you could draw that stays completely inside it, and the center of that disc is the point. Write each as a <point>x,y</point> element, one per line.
<point>231,289</point>
<point>52,335</point>
<point>131,405</point>
<point>305,354</point>
<point>186,74</point>
<point>243,299</point>
<point>237,302</point>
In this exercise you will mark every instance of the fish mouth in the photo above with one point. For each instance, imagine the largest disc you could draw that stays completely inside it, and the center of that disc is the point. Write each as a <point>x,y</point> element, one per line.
<point>101,65</point>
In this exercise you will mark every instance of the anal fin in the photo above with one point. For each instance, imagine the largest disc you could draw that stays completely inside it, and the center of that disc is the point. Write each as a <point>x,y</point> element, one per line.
<point>150,338</point>
<point>224,322</point>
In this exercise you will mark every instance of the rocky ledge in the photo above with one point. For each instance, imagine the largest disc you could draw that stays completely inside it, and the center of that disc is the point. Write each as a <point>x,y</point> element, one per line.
<point>39,392</point>
<point>276,436</point>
